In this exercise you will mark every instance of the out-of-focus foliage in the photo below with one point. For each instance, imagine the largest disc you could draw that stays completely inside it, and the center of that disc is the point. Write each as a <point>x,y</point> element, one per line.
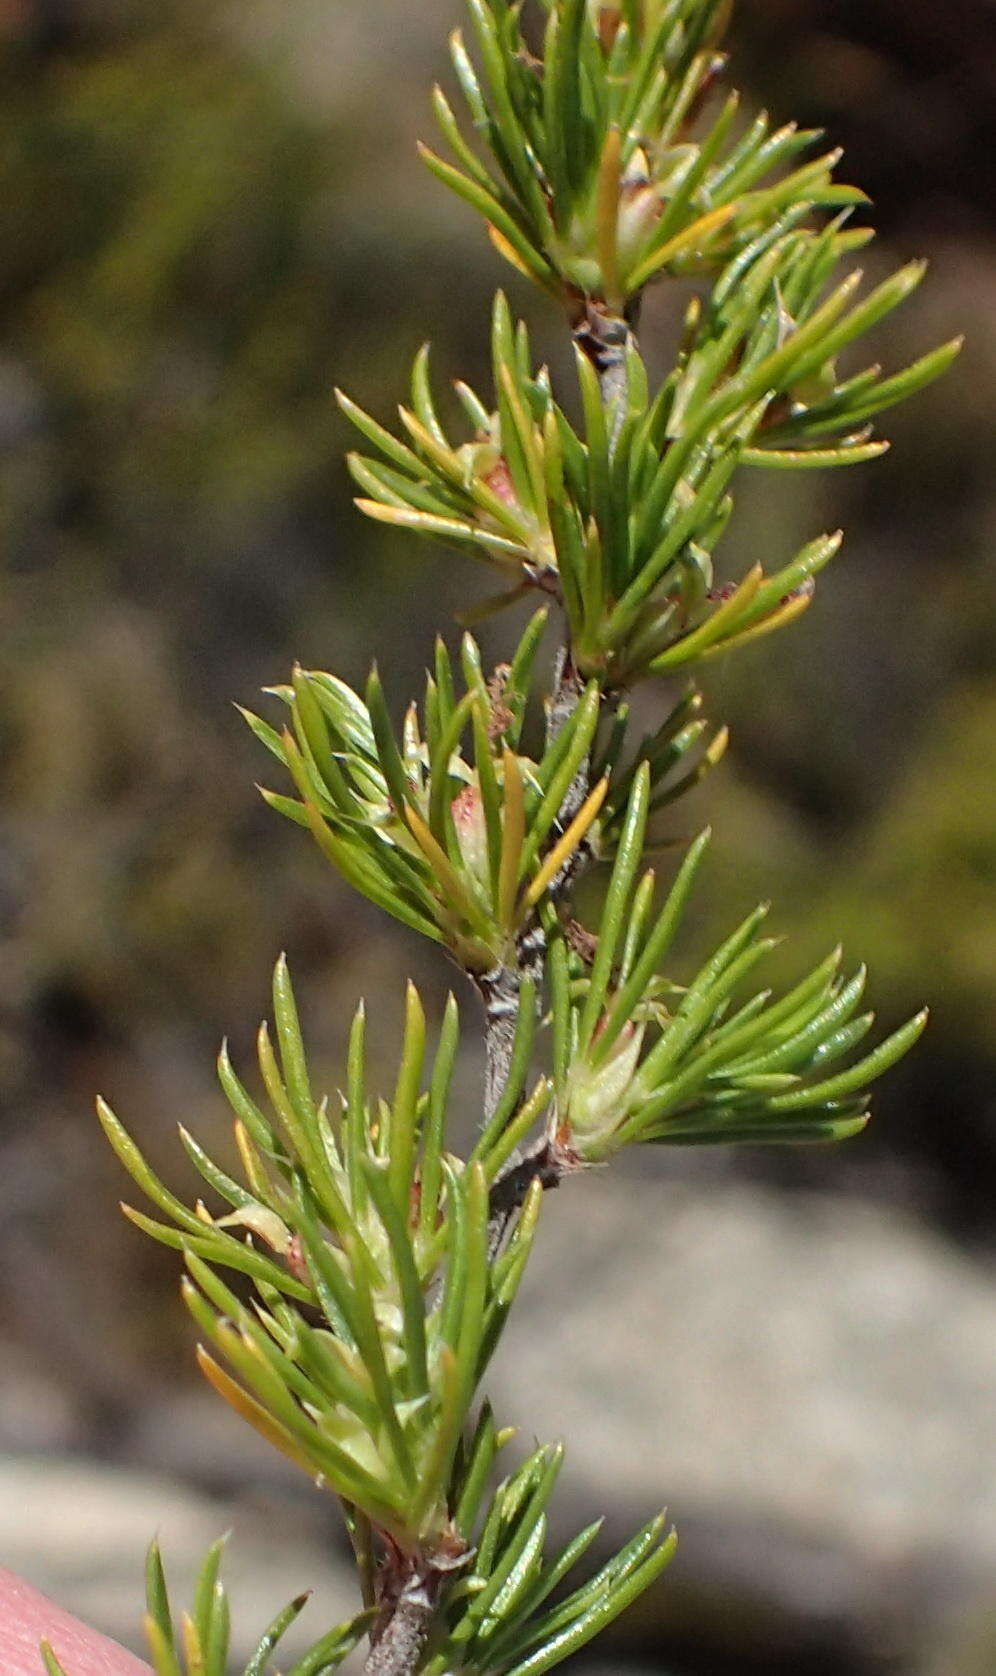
<point>163,282</point>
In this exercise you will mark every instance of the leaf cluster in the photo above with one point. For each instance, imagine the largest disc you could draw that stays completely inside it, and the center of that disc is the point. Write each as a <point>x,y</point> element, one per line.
<point>638,1057</point>
<point>598,175</point>
<point>497,1620</point>
<point>452,827</point>
<point>377,1288</point>
<point>620,521</point>
<point>375,1307</point>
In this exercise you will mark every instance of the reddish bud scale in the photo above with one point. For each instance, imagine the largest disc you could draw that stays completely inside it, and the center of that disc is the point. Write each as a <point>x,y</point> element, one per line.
<point>471,831</point>
<point>499,481</point>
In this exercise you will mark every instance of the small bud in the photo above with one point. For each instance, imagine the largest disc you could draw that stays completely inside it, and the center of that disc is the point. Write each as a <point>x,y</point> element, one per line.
<point>296,1261</point>
<point>597,1099</point>
<point>499,481</point>
<point>471,831</point>
<point>640,209</point>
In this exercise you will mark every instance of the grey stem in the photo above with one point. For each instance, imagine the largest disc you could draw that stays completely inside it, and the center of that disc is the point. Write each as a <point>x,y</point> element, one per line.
<point>399,1645</point>
<point>606,339</point>
<point>613,382</point>
<point>499,991</point>
<point>546,1162</point>
<point>567,689</point>
<point>564,700</point>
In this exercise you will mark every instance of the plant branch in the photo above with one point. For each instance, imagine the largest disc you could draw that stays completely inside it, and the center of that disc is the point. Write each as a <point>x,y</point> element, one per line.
<point>548,1163</point>
<point>606,339</point>
<point>398,1646</point>
<point>499,991</point>
<point>567,689</point>
<point>568,685</point>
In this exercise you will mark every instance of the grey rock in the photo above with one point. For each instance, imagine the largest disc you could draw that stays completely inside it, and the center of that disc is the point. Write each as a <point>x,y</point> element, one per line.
<point>78,1531</point>
<point>808,1383</point>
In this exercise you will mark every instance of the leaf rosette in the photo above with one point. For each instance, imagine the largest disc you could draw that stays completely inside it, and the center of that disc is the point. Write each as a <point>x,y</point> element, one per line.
<point>620,521</point>
<point>639,1057</point>
<point>361,1216</point>
<point>452,828</point>
<point>601,171</point>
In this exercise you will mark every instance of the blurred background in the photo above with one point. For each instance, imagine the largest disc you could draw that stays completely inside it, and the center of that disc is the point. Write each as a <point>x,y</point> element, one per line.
<point>210,214</point>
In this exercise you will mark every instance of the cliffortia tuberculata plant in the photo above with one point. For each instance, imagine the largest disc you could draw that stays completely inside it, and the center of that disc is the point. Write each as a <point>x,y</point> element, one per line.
<point>594,140</point>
